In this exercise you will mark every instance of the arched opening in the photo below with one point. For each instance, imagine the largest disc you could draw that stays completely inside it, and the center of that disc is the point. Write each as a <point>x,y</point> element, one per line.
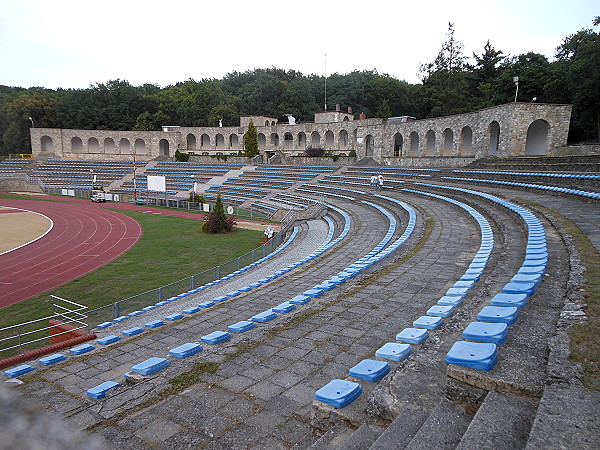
<point>274,140</point>
<point>163,147</point>
<point>315,139</point>
<point>302,140</point>
<point>369,145</point>
<point>537,138</point>
<point>205,141</point>
<point>220,141</point>
<point>346,119</point>
<point>233,141</point>
<point>93,145</point>
<point>344,142</point>
<point>466,141</point>
<point>494,131</point>
<point>140,146</point>
<point>76,144</point>
<point>262,141</point>
<point>414,143</point>
<point>288,141</point>
<point>266,123</point>
<point>398,142</point>
<point>329,140</point>
<point>46,144</point>
<point>124,146</point>
<point>109,145</point>
<point>430,143</point>
<point>191,141</point>
<point>448,138</point>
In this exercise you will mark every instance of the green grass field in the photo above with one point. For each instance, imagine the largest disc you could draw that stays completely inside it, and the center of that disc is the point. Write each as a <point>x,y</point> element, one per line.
<point>170,249</point>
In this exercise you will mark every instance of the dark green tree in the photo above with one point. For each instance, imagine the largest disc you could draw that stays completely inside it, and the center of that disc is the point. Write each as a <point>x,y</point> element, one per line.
<point>251,141</point>
<point>217,221</point>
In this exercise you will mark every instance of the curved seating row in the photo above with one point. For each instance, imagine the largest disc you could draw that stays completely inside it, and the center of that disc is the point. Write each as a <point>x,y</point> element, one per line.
<point>340,393</point>
<point>479,349</point>
<point>533,174</point>
<point>589,194</point>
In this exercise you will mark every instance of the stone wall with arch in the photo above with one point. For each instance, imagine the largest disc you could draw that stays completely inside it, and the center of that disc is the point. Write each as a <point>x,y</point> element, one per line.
<point>512,129</point>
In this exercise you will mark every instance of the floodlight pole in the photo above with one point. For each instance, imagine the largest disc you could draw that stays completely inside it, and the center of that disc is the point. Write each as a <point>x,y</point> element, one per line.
<point>134,183</point>
<point>516,80</point>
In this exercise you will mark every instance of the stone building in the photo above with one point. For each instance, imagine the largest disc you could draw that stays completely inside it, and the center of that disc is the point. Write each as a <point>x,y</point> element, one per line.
<point>512,129</point>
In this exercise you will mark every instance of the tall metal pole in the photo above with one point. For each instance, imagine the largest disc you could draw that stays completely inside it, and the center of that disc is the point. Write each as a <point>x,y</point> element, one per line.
<point>325,81</point>
<point>134,183</point>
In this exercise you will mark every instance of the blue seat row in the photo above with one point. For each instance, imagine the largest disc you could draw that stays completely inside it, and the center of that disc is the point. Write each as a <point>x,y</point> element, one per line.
<point>533,174</point>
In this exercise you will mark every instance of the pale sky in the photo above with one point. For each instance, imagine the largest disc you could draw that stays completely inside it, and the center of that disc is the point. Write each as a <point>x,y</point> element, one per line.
<point>77,43</point>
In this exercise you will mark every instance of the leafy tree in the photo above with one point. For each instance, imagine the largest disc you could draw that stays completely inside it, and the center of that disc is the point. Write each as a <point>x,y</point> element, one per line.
<point>217,222</point>
<point>484,75</point>
<point>579,55</point>
<point>251,141</point>
<point>38,105</point>
<point>445,80</point>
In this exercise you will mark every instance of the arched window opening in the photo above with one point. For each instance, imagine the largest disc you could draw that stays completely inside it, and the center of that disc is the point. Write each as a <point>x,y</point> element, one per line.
<point>109,145</point>
<point>163,147</point>
<point>414,143</point>
<point>288,141</point>
<point>315,139</point>
<point>344,142</point>
<point>93,145</point>
<point>329,140</point>
<point>466,146</point>
<point>494,131</point>
<point>398,142</point>
<point>191,141</point>
<point>430,143</point>
<point>220,141</point>
<point>124,146</point>
<point>369,145</point>
<point>262,141</point>
<point>537,138</point>
<point>46,144</point>
<point>140,146</point>
<point>448,142</point>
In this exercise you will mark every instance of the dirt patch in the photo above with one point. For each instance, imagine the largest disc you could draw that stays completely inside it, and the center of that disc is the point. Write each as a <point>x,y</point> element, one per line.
<point>20,227</point>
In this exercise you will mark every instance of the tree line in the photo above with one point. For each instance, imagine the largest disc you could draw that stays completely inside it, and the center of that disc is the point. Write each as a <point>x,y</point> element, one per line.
<point>452,83</point>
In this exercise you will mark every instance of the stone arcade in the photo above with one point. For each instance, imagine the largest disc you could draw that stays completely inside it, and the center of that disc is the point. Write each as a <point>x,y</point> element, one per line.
<point>514,129</point>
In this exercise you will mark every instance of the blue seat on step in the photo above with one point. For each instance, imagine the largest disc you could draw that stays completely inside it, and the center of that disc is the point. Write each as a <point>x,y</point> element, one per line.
<point>150,366</point>
<point>394,351</point>
<point>476,355</point>
<point>339,393</point>
<point>370,370</point>
<point>413,335</point>
<point>503,314</point>
<point>186,350</point>
<point>496,333</point>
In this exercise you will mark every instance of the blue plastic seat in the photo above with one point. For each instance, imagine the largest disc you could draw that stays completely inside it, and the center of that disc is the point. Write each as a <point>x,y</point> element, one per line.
<point>104,325</point>
<point>241,326</point>
<point>450,301</point>
<point>457,292</point>
<point>216,337</point>
<point>175,316</point>
<point>150,366</point>
<point>84,348</point>
<point>219,299</point>
<point>132,331</point>
<point>100,390</point>
<point>519,288</point>
<point>413,335</point>
<point>370,370</point>
<point>300,299</point>
<point>186,350</point>
<point>441,311</point>
<point>339,393</point>
<point>503,314</point>
<point>19,370</point>
<point>394,351</point>
<point>496,333</point>
<point>476,355</point>
<point>191,310</point>
<point>108,339</point>
<point>428,322</point>
<point>265,316</point>
<point>284,307</point>
<point>52,359</point>
<point>314,292</point>
<point>517,300</point>
<point>206,304</point>
<point>526,278</point>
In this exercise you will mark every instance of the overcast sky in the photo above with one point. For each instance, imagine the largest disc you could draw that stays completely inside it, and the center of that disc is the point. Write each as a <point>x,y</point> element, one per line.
<point>77,43</point>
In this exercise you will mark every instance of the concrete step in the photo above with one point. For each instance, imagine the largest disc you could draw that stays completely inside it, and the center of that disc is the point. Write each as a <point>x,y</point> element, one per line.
<point>568,417</point>
<point>341,437</point>
<point>443,429</point>
<point>399,434</point>
<point>503,421</point>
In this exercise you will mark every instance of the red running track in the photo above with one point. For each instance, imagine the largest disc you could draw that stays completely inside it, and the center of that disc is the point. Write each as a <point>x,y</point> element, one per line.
<point>84,237</point>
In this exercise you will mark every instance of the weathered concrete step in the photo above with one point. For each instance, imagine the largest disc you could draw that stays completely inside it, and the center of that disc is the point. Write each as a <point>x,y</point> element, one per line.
<point>341,437</point>
<point>503,421</point>
<point>399,434</point>
<point>567,417</point>
<point>443,429</point>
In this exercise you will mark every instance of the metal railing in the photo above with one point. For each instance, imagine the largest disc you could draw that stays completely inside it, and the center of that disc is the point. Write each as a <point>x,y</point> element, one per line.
<point>148,298</point>
<point>17,337</point>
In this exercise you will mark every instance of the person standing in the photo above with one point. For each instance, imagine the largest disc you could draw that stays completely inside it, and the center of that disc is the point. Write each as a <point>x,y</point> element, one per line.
<point>380,182</point>
<point>374,182</point>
